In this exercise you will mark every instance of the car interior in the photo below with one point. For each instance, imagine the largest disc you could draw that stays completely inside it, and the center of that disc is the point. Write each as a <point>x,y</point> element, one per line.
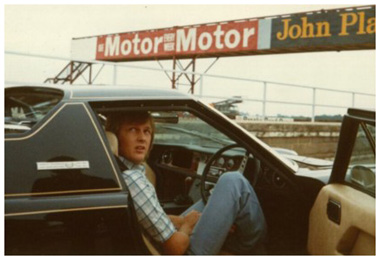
<point>307,218</point>
<point>183,174</point>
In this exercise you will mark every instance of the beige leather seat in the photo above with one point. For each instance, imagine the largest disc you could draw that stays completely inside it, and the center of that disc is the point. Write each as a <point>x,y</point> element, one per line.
<point>112,140</point>
<point>150,175</point>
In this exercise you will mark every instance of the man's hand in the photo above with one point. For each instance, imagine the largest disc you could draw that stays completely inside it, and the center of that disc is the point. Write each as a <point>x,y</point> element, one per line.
<point>192,218</point>
<point>178,243</point>
<point>189,220</point>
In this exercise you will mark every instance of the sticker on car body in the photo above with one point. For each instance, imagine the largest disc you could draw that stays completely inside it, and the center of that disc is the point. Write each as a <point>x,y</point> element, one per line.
<point>41,166</point>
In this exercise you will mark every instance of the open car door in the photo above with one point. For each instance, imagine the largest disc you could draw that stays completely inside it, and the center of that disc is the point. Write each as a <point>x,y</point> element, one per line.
<point>342,220</point>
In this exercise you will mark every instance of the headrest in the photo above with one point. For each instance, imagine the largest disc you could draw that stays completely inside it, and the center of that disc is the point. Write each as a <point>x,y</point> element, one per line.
<point>112,139</point>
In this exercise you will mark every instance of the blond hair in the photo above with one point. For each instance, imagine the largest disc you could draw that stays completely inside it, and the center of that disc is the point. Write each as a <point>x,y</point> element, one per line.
<point>115,120</point>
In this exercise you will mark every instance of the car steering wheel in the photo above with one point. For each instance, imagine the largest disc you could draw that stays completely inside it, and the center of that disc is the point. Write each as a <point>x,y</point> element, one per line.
<point>206,194</point>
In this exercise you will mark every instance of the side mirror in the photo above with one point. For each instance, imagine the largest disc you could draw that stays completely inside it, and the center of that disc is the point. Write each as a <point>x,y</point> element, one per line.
<point>363,176</point>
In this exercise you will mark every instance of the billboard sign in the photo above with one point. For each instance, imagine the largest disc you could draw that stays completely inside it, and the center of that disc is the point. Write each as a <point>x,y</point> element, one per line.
<point>206,40</point>
<point>338,29</point>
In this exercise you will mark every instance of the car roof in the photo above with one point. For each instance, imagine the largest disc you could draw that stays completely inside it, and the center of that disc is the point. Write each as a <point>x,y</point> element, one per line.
<point>91,93</point>
<point>109,92</point>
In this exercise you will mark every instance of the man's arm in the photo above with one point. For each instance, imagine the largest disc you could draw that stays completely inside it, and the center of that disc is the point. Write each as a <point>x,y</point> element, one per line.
<point>178,243</point>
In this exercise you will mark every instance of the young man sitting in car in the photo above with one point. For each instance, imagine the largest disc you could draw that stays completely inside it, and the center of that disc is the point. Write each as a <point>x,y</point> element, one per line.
<point>202,229</point>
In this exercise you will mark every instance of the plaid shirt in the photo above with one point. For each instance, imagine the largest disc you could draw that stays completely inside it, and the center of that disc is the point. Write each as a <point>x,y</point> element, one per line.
<point>149,212</point>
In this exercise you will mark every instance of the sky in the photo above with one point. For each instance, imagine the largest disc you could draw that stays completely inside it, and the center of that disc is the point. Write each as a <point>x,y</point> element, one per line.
<point>48,30</point>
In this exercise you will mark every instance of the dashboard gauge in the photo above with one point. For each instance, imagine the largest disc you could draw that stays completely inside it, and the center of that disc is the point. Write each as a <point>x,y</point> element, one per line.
<point>220,162</point>
<point>230,163</point>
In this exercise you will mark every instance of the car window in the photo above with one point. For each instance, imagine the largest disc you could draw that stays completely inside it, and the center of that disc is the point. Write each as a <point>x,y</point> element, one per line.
<point>185,128</point>
<point>25,106</point>
<point>362,168</point>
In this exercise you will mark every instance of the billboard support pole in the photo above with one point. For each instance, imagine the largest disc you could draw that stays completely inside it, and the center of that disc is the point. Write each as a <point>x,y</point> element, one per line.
<point>71,72</point>
<point>173,76</point>
<point>90,74</point>
<point>193,78</point>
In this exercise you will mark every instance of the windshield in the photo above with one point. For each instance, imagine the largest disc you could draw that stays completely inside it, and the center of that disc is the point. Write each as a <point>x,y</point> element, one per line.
<point>185,128</point>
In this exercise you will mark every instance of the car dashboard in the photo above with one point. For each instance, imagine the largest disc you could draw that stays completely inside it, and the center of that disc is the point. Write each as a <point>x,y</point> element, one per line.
<point>192,160</point>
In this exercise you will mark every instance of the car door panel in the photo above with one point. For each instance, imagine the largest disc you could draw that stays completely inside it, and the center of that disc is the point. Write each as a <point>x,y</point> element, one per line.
<point>354,234</point>
<point>61,208</point>
<point>342,219</point>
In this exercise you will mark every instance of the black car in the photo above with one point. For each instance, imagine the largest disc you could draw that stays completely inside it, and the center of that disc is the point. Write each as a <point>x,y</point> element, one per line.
<point>64,193</point>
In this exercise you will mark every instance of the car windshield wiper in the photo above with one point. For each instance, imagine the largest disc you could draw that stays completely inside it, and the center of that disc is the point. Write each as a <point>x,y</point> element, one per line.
<point>222,141</point>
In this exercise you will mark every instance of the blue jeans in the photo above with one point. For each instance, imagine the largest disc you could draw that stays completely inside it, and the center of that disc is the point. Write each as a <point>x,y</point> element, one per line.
<point>233,201</point>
